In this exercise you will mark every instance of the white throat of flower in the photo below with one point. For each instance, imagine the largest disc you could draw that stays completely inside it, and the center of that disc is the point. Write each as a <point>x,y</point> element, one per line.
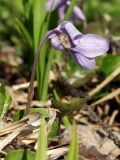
<point>64,39</point>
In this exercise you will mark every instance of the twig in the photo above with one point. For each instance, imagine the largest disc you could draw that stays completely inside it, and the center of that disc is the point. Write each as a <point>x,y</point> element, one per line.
<point>11,127</point>
<point>9,138</point>
<point>57,152</point>
<point>113,116</point>
<point>23,86</point>
<point>108,97</point>
<point>105,82</point>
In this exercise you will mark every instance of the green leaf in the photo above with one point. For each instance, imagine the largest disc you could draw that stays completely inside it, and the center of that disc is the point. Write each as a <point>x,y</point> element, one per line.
<point>101,94</point>
<point>5,101</point>
<point>66,121</point>
<point>20,155</point>
<point>73,151</point>
<point>44,112</point>
<point>69,107</point>
<point>41,153</point>
<point>110,63</point>
<point>54,130</point>
<point>18,115</point>
<point>56,95</point>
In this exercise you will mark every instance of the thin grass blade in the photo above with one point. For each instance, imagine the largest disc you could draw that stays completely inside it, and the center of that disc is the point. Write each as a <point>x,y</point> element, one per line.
<point>47,71</point>
<point>23,31</point>
<point>69,10</point>
<point>39,15</point>
<point>41,153</point>
<point>73,151</point>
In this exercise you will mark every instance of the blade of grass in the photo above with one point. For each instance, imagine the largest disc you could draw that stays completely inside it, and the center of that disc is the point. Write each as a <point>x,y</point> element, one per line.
<point>27,10</point>
<point>41,64</point>
<point>41,153</point>
<point>66,121</point>
<point>56,95</point>
<point>46,77</point>
<point>5,101</point>
<point>31,1</point>
<point>39,29</point>
<point>69,10</point>
<point>44,71</point>
<point>38,19</point>
<point>73,151</point>
<point>23,31</point>
<point>19,4</point>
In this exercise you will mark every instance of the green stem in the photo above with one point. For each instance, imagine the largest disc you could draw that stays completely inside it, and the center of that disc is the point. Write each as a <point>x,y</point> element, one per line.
<point>31,86</point>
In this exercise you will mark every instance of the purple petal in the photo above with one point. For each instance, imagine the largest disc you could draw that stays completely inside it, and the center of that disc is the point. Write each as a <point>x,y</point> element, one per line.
<point>83,61</point>
<point>55,42</point>
<point>70,29</point>
<point>91,45</point>
<point>51,5</point>
<point>53,33</point>
<point>78,12</point>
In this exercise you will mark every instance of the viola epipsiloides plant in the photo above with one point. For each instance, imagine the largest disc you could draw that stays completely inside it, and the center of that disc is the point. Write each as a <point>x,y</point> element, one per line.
<point>61,6</point>
<point>82,48</point>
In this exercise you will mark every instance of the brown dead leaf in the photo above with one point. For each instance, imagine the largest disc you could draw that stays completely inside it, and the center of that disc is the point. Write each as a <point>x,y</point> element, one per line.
<point>90,138</point>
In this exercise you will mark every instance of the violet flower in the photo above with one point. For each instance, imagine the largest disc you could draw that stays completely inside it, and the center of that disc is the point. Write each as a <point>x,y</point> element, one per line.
<point>82,48</point>
<point>61,6</point>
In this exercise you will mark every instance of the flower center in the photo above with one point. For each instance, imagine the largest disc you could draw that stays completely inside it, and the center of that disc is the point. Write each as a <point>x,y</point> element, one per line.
<point>64,39</point>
